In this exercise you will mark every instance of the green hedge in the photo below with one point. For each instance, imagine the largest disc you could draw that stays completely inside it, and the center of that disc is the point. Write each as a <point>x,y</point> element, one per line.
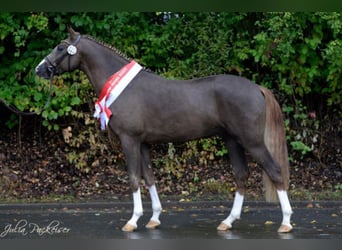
<point>298,55</point>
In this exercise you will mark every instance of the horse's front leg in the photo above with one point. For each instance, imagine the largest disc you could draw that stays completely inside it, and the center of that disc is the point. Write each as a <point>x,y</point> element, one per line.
<point>131,148</point>
<point>147,173</point>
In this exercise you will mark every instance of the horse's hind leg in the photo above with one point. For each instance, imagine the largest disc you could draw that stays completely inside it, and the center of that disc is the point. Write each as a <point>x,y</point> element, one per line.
<point>240,167</point>
<point>147,173</point>
<point>263,157</point>
<point>287,211</point>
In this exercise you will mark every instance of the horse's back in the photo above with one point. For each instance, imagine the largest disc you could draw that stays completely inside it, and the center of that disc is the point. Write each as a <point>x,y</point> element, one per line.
<point>159,109</point>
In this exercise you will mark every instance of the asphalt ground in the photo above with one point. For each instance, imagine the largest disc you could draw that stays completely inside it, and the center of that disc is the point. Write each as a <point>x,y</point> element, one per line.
<point>180,220</point>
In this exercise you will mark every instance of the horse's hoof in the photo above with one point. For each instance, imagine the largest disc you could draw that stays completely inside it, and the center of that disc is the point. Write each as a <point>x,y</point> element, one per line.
<point>128,228</point>
<point>223,227</point>
<point>152,224</point>
<point>285,228</point>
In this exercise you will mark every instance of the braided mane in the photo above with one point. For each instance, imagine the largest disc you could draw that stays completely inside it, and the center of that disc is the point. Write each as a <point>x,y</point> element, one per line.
<point>116,50</point>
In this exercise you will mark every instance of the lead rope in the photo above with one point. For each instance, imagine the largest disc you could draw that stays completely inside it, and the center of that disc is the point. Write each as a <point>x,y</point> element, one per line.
<point>15,110</point>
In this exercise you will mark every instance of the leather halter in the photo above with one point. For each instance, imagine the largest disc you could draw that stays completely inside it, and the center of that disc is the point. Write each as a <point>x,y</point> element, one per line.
<point>70,51</point>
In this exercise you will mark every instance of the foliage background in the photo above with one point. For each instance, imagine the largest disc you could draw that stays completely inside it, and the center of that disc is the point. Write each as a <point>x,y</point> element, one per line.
<point>297,55</point>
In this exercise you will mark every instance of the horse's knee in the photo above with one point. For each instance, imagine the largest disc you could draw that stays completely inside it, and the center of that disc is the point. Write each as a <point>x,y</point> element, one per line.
<point>148,176</point>
<point>134,182</point>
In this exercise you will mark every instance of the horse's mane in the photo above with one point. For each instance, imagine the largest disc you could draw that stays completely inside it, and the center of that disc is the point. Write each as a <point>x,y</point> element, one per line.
<point>114,49</point>
<point>108,46</point>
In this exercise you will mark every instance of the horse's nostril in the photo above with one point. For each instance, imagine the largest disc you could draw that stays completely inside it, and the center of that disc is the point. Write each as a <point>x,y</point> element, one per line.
<point>50,68</point>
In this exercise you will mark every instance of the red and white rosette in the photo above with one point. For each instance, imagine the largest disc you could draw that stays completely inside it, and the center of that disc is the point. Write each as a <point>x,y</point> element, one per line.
<point>114,86</point>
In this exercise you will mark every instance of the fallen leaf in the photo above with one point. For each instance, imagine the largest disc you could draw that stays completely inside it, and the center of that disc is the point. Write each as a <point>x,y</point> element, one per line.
<point>309,205</point>
<point>269,222</point>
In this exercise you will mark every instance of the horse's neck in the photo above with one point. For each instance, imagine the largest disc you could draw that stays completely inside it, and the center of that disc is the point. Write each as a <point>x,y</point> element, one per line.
<point>99,63</point>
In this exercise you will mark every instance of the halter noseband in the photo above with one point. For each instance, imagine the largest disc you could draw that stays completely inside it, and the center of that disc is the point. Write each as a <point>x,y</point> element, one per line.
<point>70,51</point>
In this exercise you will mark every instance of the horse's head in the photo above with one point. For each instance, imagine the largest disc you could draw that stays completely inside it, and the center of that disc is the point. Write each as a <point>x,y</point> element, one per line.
<point>63,58</point>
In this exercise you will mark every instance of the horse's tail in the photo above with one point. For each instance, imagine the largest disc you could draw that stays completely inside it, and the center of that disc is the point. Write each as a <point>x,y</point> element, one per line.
<point>275,141</point>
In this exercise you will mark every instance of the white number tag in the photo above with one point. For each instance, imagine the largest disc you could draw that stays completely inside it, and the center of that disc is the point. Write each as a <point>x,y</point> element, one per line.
<point>72,50</point>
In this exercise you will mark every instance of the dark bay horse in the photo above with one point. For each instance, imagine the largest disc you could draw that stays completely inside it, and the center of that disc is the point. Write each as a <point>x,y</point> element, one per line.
<point>153,109</point>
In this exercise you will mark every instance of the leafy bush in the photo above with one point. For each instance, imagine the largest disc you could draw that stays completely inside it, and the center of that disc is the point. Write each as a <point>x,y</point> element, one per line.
<point>298,55</point>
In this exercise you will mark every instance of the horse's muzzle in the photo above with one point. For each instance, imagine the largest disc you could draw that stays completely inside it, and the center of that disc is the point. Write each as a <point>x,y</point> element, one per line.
<point>43,70</point>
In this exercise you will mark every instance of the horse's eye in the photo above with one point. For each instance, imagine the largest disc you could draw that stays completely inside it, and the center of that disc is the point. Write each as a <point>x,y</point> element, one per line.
<point>60,48</point>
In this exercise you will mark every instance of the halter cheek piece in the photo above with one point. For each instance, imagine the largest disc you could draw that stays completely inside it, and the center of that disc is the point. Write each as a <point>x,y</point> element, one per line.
<point>70,51</point>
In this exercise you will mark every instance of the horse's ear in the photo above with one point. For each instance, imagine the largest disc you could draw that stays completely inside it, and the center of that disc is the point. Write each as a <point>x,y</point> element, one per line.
<point>72,33</point>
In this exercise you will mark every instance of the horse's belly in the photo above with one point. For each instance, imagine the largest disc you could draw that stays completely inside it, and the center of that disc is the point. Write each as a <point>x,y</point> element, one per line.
<point>180,131</point>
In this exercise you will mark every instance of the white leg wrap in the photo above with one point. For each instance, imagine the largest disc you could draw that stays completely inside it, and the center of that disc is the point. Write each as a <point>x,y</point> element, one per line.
<point>285,207</point>
<point>236,210</point>
<point>156,205</point>
<point>138,209</point>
